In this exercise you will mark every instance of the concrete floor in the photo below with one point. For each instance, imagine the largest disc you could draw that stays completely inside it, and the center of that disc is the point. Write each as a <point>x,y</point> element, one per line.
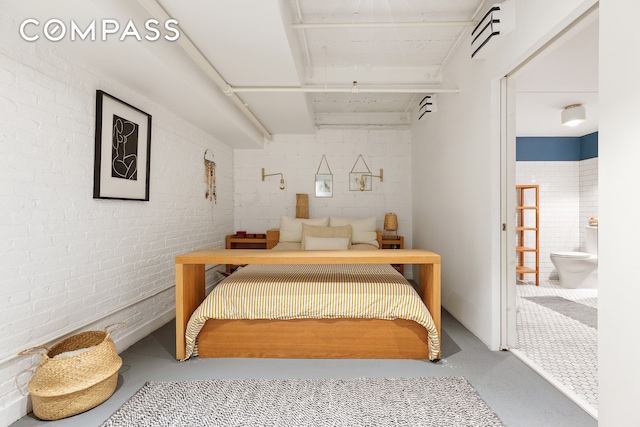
<point>518,395</point>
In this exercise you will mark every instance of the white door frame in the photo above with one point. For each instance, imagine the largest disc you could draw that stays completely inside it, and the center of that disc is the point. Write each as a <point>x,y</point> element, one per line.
<point>508,306</point>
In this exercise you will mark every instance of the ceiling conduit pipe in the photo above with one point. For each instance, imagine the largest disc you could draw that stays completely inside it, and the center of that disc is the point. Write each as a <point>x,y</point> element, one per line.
<point>304,41</point>
<point>158,12</point>
<point>324,89</point>
<point>349,25</point>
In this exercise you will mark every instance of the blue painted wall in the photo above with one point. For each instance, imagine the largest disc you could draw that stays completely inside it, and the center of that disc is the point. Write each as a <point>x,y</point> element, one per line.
<point>589,146</point>
<point>557,148</point>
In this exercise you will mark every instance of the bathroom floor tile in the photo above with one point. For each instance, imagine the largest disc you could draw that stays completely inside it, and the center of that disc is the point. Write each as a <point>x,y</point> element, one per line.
<point>563,347</point>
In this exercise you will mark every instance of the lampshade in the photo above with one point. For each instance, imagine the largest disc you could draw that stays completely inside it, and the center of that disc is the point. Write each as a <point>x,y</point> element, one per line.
<point>573,115</point>
<point>390,222</point>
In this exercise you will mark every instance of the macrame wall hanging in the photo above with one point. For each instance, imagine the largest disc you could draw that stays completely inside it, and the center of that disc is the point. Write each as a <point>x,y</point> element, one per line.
<point>210,176</point>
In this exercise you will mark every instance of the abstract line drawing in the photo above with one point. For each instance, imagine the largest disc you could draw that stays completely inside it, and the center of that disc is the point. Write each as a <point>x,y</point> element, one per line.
<point>122,167</point>
<point>124,162</point>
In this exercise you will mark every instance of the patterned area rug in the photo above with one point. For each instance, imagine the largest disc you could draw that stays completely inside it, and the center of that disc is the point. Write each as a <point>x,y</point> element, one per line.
<point>580,312</point>
<point>415,402</point>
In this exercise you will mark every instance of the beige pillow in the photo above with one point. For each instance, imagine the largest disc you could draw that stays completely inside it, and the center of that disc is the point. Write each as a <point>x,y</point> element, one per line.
<point>314,231</point>
<point>325,243</point>
<point>291,228</point>
<point>364,230</point>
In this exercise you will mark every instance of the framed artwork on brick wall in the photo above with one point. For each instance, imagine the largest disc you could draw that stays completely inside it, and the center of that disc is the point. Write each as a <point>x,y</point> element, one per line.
<point>324,185</point>
<point>122,150</point>
<point>324,181</point>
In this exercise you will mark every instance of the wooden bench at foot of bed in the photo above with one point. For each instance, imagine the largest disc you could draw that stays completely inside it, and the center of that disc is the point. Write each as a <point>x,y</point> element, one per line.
<point>314,339</point>
<point>306,338</point>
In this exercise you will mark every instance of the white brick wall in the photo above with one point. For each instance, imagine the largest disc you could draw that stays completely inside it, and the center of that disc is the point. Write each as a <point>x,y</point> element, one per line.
<point>568,197</point>
<point>259,205</point>
<point>71,262</point>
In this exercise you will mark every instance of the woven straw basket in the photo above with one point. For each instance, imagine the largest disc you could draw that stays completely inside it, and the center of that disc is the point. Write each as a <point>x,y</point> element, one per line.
<point>66,386</point>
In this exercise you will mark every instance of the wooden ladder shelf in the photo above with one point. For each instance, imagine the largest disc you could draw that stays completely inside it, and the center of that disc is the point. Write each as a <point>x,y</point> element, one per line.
<point>528,231</point>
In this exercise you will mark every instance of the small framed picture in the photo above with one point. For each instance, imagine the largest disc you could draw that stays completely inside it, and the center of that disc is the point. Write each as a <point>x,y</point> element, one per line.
<point>360,181</point>
<point>122,150</point>
<point>324,185</point>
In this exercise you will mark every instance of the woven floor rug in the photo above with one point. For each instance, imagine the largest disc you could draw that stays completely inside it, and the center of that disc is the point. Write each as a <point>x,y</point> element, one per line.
<point>415,402</point>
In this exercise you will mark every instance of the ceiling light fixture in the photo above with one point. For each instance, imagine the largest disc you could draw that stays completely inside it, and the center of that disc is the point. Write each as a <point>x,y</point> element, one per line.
<point>573,115</point>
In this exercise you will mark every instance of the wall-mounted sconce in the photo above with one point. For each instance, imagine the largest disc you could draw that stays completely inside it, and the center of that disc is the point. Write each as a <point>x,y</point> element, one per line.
<point>573,115</point>
<point>362,180</point>
<point>272,174</point>
<point>365,180</point>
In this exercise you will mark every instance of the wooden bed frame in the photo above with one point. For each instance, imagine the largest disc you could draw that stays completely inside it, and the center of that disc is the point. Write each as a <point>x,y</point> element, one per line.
<point>306,338</point>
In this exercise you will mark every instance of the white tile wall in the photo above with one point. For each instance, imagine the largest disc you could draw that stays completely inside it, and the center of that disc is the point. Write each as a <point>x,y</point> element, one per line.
<point>568,197</point>
<point>259,205</point>
<point>588,194</point>
<point>69,261</point>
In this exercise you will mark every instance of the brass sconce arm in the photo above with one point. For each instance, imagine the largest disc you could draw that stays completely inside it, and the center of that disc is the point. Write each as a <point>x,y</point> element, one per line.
<point>362,183</point>
<point>272,174</point>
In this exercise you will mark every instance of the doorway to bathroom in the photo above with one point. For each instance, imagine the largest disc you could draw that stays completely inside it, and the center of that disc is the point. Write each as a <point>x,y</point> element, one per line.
<point>551,327</point>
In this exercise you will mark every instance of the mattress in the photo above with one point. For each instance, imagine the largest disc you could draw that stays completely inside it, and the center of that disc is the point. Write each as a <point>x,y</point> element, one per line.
<point>302,291</point>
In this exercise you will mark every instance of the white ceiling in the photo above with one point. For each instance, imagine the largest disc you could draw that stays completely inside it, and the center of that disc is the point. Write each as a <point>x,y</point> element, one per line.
<point>565,73</point>
<point>258,48</point>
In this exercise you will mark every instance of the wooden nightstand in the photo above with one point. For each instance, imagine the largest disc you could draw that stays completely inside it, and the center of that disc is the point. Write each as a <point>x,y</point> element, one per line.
<point>391,243</point>
<point>235,242</point>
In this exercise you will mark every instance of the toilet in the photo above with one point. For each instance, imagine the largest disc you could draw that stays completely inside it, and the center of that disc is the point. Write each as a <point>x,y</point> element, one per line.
<point>579,269</point>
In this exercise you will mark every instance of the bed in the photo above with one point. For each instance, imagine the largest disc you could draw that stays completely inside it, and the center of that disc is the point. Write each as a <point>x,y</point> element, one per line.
<point>412,336</point>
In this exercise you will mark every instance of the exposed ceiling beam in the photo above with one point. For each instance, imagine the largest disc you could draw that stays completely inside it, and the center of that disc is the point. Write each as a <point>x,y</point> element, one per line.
<point>158,12</point>
<point>463,33</point>
<point>305,44</point>
<point>340,89</point>
<point>362,119</point>
<point>342,25</point>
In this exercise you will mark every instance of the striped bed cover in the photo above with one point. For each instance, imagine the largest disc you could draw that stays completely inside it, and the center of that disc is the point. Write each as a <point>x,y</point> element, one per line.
<point>283,292</point>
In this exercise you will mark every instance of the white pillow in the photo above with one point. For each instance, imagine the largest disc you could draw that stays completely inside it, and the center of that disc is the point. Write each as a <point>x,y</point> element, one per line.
<point>363,230</point>
<point>315,231</point>
<point>325,243</point>
<point>291,228</point>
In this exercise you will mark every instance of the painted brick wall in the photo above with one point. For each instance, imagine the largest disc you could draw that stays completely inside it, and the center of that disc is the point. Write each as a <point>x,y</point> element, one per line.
<point>70,262</point>
<point>259,205</point>
<point>568,197</point>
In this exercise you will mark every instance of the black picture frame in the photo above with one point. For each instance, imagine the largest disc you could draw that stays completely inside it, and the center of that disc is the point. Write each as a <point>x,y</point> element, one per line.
<point>122,164</point>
